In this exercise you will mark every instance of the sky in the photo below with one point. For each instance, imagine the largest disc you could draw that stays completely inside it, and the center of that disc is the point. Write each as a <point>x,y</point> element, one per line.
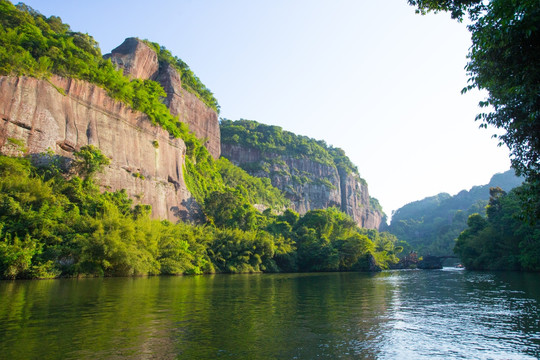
<point>371,77</point>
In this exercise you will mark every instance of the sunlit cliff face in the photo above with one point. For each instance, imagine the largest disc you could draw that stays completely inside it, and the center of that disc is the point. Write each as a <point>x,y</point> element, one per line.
<point>40,116</point>
<point>321,186</point>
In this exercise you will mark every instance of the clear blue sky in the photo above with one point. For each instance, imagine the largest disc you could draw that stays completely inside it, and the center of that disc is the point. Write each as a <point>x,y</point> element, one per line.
<point>371,77</point>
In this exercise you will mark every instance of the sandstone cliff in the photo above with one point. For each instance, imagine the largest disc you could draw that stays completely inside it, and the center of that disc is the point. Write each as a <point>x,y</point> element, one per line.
<point>308,184</point>
<point>145,160</point>
<point>140,61</point>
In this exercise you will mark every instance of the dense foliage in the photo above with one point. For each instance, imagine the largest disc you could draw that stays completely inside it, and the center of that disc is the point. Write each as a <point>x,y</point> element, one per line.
<point>212,181</point>
<point>57,223</point>
<point>431,225</point>
<point>504,59</point>
<point>270,139</point>
<point>52,224</point>
<point>502,241</point>
<point>33,45</point>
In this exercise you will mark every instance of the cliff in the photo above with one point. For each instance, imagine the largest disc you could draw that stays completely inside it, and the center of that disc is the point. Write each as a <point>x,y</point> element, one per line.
<point>356,202</point>
<point>309,184</point>
<point>145,160</point>
<point>139,60</point>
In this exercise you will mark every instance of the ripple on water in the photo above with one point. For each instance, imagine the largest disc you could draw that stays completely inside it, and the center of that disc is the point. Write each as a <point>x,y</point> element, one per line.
<point>445,314</point>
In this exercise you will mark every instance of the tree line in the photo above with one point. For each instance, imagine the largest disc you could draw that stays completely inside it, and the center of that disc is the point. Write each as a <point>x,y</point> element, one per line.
<point>503,60</point>
<point>54,221</point>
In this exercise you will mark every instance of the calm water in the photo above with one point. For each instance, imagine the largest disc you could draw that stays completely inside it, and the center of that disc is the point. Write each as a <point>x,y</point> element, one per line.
<point>446,314</point>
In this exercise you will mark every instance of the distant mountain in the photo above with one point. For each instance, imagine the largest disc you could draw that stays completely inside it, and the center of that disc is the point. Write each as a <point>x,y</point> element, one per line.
<point>431,225</point>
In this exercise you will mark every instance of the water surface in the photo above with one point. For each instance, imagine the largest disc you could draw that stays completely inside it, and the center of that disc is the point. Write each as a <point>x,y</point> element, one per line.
<point>447,314</point>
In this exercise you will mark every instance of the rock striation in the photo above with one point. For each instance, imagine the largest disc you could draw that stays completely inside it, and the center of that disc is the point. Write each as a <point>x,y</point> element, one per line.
<point>62,115</point>
<point>139,60</point>
<point>309,184</point>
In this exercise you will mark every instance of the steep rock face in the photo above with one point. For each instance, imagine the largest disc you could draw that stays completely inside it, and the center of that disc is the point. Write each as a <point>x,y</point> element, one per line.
<point>145,160</point>
<point>140,61</point>
<point>308,184</point>
<point>355,201</point>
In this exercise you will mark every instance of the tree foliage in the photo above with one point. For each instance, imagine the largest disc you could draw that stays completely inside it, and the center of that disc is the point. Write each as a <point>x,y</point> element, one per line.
<point>457,8</point>
<point>504,59</point>
<point>55,225</point>
<point>502,241</point>
<point>89,160</point>
<point>431,225</point>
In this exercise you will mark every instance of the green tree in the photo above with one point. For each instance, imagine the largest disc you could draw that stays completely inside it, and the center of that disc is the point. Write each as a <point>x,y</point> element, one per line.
<point>90,160</point>
<point>504,59</point>
<point>230,210</point>
<point>502,241</point>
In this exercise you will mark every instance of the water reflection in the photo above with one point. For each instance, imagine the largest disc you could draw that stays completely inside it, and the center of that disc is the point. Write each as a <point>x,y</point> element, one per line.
<point>401,314</point>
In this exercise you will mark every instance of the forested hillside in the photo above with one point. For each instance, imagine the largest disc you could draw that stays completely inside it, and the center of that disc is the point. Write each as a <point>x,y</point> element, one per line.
<point>55,220</point>
<point>273,140</point>
<point>431,225</point>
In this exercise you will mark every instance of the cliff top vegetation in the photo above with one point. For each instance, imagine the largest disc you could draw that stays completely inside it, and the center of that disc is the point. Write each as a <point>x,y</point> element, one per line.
<point>34,45</point>
<point>271,139</point>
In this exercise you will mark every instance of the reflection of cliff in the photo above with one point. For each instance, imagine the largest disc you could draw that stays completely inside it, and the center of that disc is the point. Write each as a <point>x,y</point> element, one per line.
<point>307,183</point>
<point>145,160</point>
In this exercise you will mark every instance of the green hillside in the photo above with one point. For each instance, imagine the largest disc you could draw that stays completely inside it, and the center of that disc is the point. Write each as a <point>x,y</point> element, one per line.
<point>431,225</point>
<point>52,225</point>
<point>56,222</point>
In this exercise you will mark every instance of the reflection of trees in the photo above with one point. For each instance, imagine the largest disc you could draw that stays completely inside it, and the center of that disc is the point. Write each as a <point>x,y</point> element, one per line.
<point>230,316</point>
<point>84,318</point>
<point>286,315</point>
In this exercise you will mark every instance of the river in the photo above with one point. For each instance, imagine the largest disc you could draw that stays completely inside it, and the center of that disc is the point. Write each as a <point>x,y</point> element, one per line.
<point>438,314</point>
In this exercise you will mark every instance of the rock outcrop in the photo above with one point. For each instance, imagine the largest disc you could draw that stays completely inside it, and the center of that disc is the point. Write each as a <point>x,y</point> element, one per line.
<point>145,160</point>
<point>136,59</point>
<point>356,202</point>
<point>140,61</point>
<point>309,184</point>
